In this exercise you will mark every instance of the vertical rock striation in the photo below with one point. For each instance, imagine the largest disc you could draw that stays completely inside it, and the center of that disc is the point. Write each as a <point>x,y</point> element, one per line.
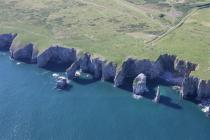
<point>195,88</point>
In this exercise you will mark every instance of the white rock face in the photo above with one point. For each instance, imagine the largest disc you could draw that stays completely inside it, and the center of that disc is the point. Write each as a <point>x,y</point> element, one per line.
<point>157,97</point>
<point>139,85</point>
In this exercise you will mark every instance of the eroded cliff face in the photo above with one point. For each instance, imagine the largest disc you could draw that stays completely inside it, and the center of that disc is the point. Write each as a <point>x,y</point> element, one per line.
<point>25,53</point>
<point>189,87</point>
<point>108,71</point>
<point>98,68</point>
<point>6,41</point>
<point>195,88</point>
<point>166,67</point>
<point>132,67</point>
<point>56,56</point>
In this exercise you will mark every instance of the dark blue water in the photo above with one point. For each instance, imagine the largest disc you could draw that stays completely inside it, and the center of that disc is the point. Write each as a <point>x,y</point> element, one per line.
<point>31,109</point>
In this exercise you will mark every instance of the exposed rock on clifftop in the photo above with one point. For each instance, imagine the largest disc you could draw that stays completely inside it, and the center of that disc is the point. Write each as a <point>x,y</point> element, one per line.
<point>184,68</point>
<point>6,41</point>
<point>139,85</point>
<point>25,53</point>
<point>56,56</point>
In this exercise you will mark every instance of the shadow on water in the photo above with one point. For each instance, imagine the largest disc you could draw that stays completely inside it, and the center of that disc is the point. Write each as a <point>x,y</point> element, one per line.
<point>84,81</point>
<point>152,85</point>
<point>56,67</point>
<point>67,88</point>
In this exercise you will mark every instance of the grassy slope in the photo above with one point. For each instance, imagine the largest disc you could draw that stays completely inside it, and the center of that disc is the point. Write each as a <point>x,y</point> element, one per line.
<point>112,29</point>
<point>191,42</point>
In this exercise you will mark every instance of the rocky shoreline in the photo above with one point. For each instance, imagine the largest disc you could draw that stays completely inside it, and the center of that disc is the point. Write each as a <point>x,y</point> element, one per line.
<point>167,67</point>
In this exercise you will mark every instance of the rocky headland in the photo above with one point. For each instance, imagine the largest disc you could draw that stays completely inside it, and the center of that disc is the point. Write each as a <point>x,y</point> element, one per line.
<point>167,68</point>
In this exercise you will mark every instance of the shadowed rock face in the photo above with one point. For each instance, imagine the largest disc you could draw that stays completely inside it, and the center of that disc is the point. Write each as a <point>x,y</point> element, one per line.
<point>166,68</point>
<point>195,88</point>
<point>132,67</point>
<point>6,41</point>
<point>87,64</point>
<point>203,90</point>
<point>25,53</point>
<point>167,62</point>
<point>189,87</point>
<point>108,71</point>
<point>56,56</point>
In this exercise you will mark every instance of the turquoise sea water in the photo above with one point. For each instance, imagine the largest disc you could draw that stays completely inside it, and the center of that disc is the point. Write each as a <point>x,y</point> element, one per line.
<point>31,109</point>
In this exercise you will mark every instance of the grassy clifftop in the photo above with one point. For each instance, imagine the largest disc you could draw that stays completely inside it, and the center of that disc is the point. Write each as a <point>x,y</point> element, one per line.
<point>113,29</point>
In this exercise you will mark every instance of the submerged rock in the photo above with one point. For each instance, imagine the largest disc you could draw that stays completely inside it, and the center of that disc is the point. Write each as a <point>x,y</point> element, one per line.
<point>6,41</point>
<point>57,56</point>
<point>62,83</point>
<point>139,85</point>
<point>157,96</point>
<point>25,53</point>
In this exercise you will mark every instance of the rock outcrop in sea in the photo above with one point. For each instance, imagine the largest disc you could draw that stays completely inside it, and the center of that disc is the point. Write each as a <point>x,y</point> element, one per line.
<point>6,41</point>
<point>157,96</point>
<point>139,85</point>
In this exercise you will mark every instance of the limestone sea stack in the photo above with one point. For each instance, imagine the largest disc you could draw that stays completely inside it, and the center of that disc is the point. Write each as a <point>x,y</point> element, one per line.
<point>24,52</point>
<point>56,56</point>
<point>139,85</point>
<point>157,96</point>
<point>6,41</point>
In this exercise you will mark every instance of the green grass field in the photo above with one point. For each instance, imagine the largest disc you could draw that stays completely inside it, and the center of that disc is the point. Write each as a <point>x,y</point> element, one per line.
<point>113,29</point>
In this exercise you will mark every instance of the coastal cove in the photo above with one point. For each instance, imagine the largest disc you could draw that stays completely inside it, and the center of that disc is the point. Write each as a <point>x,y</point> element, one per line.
<point>32,109</point>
